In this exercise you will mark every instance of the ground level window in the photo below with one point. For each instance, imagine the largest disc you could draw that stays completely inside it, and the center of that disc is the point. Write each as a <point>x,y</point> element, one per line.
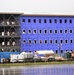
<point>61,51</point>
<point>56,51</point>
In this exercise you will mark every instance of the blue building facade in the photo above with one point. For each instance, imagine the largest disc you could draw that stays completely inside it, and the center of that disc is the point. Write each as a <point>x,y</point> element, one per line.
<point>45,32</point>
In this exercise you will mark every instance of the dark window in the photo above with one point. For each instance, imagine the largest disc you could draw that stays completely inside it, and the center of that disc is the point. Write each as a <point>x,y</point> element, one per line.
<point>61,51</point>
<point>24,42</point>
<point>70,41</point>
<point>70,31</point>
<point>55,21</point>
<point>24,31</point>
<point>65,21</point>
<point>50,21</point>
<point>29,20</point>
<point>66,50</point>
<point>70,21</point>
<point>29,31</point>
<point>40,31</point>
<point>66,41</point>
<point>61,41</point>
<point>60,31</point>
<point>44,20</point>
<point>45,41</point>
<point>56,51</point>
<point>55,31</point>
<point>40,41</point>
<point>23,20</point>
<point>50,41</point>
<point>39,20</point>
<point>29,41</point>
<point>56,41</point>
<point>35,42</point>
<point>60,21</point>
<point>45,31</point>
<point>66,31</point>
<point>50,31</point>
<point>34,20</point>
<point>34,31</point>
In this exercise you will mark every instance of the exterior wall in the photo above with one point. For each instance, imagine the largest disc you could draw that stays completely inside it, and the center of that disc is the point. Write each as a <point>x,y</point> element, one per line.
<point>55,33</point>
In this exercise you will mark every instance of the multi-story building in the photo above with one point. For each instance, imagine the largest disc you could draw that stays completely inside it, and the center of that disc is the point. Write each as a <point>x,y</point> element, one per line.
<point>47,32</point>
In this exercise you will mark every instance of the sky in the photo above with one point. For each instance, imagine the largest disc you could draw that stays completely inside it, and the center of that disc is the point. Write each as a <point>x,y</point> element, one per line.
<point>38,6</point>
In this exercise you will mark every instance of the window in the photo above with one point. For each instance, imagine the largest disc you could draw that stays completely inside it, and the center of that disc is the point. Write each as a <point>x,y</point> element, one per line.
<point>45,41</point>
<point>66,41</point>
<point>56,41</point>
<point>34,20</point>
<point>55,31</point>
<point>50,31</point>
<point>61,51</point>
<point>50,41</point>
<point>55,21</point>
<point>23,20</point>
<point>50,21</point>
<point>34,31</point>
<point>70,41</point>
<point>24,31</point>
<point>70,31</point>
<point>40,41</point>
<point>35,41</point>
<point>56,51</point>
<point>24,42</point>
<point>29,20</point>
<point>45,31</point>
<point>39,20</point>
<point>29,42</point>
<point>60,31</point>
<point>40,31</point>
<point>65,21</point>
<point>60,21</point>
<point>70,21</point>
<point>29,31</point>
<point>44,20</point>
<point>66,31</point>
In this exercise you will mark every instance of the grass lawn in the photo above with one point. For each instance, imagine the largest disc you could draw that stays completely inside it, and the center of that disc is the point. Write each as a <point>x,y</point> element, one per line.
<point>35,63</point>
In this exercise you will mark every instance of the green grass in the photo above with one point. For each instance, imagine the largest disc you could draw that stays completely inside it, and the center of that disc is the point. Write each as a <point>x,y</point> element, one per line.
<point>36,63</point>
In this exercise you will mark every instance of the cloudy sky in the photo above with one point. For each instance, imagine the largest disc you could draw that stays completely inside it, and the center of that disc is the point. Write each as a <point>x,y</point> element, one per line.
<point>38,6</point>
